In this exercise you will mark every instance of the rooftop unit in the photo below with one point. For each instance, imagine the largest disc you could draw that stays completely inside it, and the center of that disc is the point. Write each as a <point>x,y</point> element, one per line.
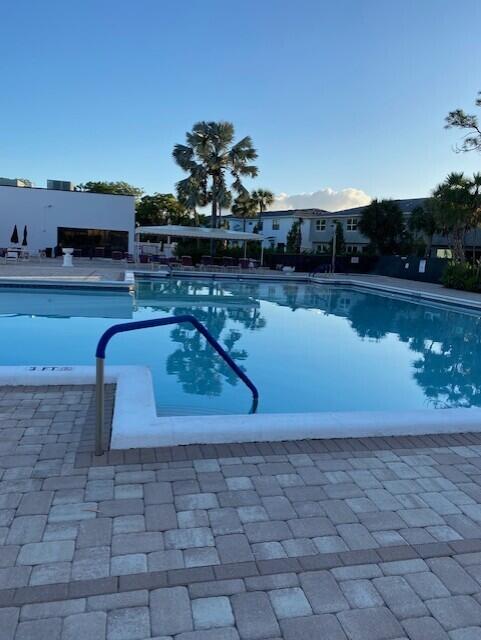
<point>60,185</point>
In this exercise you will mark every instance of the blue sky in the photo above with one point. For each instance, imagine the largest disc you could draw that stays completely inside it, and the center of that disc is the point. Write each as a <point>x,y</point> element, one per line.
<point>348,94</point>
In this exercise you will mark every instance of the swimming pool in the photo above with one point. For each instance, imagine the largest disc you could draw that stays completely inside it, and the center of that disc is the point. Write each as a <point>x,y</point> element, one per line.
<point>308,348</point>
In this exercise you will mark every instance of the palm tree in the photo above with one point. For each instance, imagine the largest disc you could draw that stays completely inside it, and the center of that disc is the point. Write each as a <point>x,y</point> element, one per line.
<point>263,198</point>
<point>192,194</point>
<point>211,157</point>
<point>458,201</point>
<point>244,207</point>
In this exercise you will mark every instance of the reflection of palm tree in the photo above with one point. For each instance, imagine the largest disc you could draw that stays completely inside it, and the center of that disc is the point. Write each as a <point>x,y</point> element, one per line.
<point>447,342</point>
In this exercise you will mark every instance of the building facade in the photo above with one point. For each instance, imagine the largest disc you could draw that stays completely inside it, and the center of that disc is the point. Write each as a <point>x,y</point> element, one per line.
<point>318,225</point>
<point>275,226</point>
<point>67,218</point>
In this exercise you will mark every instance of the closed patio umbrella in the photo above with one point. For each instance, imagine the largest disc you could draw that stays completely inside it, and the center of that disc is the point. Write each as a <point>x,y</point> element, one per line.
<point>14,238</point>
<point>24,241</point>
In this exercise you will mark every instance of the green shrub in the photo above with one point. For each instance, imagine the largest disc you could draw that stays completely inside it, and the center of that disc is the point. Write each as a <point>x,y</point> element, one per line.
<point>462,276</point>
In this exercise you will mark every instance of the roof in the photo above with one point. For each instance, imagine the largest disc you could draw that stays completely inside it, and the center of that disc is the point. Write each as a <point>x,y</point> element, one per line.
<point>180,231</point>
<point>406,205</point>
<point>285,213</point>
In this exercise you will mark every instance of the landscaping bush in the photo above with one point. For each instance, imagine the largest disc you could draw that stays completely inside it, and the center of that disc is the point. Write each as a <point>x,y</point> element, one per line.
<point>463,276</point>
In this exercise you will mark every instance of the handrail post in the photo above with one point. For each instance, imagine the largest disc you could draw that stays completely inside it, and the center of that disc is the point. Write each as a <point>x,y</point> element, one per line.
<point>100,406</point>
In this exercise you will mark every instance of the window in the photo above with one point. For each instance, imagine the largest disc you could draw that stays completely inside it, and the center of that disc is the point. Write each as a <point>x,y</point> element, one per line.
<point>352,224</point>
<point>275,225</point>
<point>320,225</point>
<point>88,240</point>
<point>352,248</point>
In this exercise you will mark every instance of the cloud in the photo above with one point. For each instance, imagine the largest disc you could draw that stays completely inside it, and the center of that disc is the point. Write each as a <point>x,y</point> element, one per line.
<point>322,199</point>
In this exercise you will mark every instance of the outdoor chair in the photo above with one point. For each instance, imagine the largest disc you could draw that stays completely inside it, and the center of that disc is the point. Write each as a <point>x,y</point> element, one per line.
<point>117,255</point>
<point>186,262</point>
<point>11,256</point>
<point>154,260</point>
<point>129,258</point>
<point>99,252</point>
<point>228,263</point>
<point>207,263</point>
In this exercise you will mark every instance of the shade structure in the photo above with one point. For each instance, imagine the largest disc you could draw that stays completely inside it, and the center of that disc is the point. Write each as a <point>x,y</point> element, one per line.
<point>14,237</point>
<point>24,241</point>
<point>180,231</point>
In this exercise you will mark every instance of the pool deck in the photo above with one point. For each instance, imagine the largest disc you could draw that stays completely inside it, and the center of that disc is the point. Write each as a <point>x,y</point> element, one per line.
<point>359,539</point>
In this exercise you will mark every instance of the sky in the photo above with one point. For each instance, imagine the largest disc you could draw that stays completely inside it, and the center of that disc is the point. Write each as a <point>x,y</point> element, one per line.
<point>344,100</point>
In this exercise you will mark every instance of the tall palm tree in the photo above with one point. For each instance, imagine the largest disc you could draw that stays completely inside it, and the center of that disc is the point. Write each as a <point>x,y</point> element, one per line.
<point>263,198</point>
<point>211,157</point>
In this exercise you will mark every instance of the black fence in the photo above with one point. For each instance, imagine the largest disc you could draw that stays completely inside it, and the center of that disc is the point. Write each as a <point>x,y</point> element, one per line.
<point>408,268</point>
<point>309,263</point>
<point>411,268</point>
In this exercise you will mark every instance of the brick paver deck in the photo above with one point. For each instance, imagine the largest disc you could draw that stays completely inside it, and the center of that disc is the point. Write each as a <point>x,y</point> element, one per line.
<point>370,539</point>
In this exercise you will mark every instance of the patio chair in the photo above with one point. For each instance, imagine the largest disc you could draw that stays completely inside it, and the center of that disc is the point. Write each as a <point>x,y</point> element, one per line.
<point>129,258</point>
<point>207,263</point>
<point>228,263</point>
<point>186,262</point>
<point>11,256</point>
<point>99,252</point>
<point>117,255</point>
<point>154,259</point>
<point>244,263</point>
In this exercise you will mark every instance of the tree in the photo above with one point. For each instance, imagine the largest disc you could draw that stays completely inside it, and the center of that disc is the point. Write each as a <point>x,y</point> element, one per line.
<point>424,220</point>
<point>340,241</point>
<point>458,119</point>
<point>210,156</point>
<point>192,194</point>
<point>161,208</point>
<point>117,188</point>
<point>294,237</point>
<point>263,198</point>
<point>458,209</point>
<point>383,223</point>
<point>244,207</point>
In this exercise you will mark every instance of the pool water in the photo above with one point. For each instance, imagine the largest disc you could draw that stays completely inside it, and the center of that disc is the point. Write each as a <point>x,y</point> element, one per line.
<point>306,347</point>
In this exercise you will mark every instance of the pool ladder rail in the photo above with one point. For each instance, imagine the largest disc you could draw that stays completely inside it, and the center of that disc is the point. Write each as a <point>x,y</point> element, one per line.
<point>147,324</point>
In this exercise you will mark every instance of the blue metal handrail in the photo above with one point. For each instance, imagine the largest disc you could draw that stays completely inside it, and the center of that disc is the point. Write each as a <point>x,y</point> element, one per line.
<point>145,324</point>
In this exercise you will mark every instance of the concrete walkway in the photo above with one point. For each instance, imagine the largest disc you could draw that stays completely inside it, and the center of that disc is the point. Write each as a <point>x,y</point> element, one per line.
<point>360,539</point>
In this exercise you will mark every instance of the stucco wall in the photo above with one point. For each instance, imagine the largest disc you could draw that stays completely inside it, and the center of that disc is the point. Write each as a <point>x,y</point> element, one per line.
<point>44,210</point>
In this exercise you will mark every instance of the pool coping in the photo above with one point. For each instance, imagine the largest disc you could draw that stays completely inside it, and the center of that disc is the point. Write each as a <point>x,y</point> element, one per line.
<point>135,422</point>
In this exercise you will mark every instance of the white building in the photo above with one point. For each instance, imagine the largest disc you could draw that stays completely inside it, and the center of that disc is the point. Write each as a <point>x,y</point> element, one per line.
<point>275,225</point>
<point>77,219</point>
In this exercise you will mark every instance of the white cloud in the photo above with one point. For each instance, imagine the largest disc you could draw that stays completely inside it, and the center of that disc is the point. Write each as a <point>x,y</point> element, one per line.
<point>322,199</point>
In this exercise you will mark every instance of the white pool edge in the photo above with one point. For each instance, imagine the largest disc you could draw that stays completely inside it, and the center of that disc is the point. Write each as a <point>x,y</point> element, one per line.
<point>136,424</point>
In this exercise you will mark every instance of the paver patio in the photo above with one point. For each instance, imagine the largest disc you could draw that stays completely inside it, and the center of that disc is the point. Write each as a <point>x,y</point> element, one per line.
<point>361,539</point>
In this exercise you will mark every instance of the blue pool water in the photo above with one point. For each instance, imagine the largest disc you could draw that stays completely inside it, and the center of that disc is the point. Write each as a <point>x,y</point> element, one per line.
<point>307,348</point>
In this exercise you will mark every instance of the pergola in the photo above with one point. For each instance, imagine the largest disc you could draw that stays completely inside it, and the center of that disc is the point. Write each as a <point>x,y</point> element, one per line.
<point>179,231</point>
